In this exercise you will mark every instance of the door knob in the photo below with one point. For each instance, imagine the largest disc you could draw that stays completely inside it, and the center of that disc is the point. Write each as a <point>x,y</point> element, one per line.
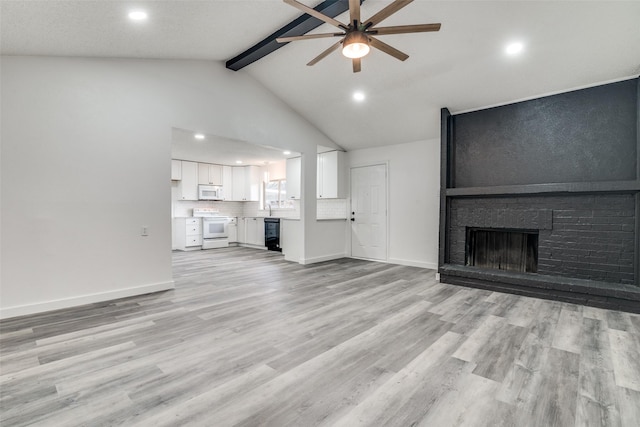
<point>353,219</point>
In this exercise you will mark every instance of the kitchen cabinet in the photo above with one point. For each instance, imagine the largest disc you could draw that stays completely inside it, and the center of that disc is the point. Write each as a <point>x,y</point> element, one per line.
<point>291,239</point>
<point>294,174</point>
<point>227,183</point>
<point>254,231</point>
<point>277,170</point>
<point>209,174</point>
<point>237,188</point>
<point>176,170</point>
<point>188,233</point>
<point>232,229</point>
<point>189,182</point>
<point>242,234</point>
<point>246,184</point>
<point>331,175</point>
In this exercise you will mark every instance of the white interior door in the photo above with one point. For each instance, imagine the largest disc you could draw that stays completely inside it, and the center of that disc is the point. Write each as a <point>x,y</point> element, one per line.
<point>369,212</point>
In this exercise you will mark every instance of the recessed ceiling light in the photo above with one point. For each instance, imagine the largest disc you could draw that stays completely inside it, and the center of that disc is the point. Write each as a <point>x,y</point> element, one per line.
<point>286,153</point>
<point>239,162</point>
<point>358,96</point>
<point>138,15</point>
<point>514,48</point>
<point>198,136</point>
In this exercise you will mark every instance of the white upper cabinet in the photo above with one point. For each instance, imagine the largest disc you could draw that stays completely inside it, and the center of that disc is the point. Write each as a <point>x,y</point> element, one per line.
<point>209,174</point>
<point>176,170</point>
<point>239,183</point>
<point>331,175</point>
<point>246,184</point>
<point>277,170</point>
<point>227,183</point>
<point>189,182</point>
<point>294,170</point>
<point>238,190</point>
<point>252,183</point>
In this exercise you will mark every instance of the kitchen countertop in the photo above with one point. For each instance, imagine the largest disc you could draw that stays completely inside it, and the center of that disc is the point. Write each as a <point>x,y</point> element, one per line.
<point>319,219</point>
<point>295,219</point>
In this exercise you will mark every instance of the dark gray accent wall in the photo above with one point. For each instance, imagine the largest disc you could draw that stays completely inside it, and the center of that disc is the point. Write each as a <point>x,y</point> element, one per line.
<point>586,135</point>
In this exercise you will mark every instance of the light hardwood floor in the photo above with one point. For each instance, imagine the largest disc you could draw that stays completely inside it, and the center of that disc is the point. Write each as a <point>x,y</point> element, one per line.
<point>249,339</point>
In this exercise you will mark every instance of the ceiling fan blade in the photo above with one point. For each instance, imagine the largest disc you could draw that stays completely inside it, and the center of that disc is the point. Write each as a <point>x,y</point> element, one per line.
<point>308,37</point>
<point>387,49</point>
<point>354,12</point>
<point>402,29</point>
<point>386,12</point>
<point>316,14</point>
<point>357,65</point>
<point>325,53</point>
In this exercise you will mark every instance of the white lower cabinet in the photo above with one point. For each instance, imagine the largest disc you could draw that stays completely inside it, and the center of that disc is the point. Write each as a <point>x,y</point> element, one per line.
<point>254,231</point>
<point>233,231</point>
<point>187,233</point>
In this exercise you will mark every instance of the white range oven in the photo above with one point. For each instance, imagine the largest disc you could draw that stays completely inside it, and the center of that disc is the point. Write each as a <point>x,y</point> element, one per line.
<point>215,228</point>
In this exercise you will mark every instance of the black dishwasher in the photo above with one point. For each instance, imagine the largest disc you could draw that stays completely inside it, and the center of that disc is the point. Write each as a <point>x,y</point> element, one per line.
<point>272,234</point>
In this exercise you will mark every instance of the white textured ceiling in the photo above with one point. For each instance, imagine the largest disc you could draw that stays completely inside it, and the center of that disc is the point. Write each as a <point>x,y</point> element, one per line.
<point>462,67</point>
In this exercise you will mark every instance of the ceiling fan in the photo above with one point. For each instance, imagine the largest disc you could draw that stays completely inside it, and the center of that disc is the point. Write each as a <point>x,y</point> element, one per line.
<point>358,36</point>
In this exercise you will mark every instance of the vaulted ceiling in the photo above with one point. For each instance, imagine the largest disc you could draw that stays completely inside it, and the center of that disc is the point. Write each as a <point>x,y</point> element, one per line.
<point>463,66</point>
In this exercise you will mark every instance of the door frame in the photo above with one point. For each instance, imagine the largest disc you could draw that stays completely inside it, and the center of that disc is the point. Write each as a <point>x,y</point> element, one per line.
<point>384,163</point>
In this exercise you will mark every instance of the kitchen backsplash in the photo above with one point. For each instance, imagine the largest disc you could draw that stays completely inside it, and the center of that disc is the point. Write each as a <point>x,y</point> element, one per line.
<point>185,208</point>
<point>327,208</point>
<point>283,213</point>
<point>332,208</point>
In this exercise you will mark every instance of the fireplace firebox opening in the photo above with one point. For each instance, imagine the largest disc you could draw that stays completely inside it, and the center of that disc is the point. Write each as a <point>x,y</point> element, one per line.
<point>502,249</point>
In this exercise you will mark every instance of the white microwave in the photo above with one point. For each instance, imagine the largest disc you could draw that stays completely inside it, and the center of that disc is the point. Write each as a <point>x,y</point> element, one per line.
<point>210,192</point>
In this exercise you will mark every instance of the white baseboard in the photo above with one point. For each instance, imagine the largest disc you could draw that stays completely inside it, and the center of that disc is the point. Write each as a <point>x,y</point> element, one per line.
<point>409,263</point>
<point>322,258</point>
<point>41,307</point>
<point>287,258</point>
<point>249,245</point>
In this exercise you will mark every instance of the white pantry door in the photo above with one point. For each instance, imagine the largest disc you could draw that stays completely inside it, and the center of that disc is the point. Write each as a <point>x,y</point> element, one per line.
<point>369,212</point>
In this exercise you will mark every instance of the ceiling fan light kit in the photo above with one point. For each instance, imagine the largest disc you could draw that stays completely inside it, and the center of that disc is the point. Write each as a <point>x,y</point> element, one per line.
<point>358,37</point>
<point>355,45</point>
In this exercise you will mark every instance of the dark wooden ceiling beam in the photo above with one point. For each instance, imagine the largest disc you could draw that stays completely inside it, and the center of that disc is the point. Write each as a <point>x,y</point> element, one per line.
<point>297,27</point>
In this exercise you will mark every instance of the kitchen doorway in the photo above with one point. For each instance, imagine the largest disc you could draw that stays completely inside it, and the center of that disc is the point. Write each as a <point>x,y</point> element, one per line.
<point>369,212</point>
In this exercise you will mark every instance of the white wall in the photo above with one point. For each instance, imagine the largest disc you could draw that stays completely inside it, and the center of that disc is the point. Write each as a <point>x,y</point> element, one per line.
<point>414,203</point>
<point>328,240</point>
<point>86,163</point>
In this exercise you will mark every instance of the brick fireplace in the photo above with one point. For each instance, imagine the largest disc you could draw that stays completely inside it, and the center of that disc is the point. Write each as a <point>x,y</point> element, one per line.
<point>541,197</point>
